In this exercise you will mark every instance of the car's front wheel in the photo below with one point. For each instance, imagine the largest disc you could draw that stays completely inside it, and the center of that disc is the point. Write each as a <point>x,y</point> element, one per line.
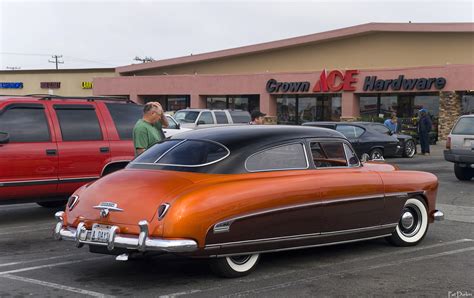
<point>413,224</point>
<point>463,173</point>
<point>234,266</point>
<point>410,149</point>
<point>376,154</point>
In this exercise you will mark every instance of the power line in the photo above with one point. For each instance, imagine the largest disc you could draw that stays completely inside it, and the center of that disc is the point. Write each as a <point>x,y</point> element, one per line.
<point>56,57</point>
<point>23,54</point>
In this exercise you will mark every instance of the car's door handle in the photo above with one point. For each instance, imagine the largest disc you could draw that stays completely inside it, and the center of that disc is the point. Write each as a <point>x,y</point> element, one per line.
<point>51,151</point>
<point>104,149</point>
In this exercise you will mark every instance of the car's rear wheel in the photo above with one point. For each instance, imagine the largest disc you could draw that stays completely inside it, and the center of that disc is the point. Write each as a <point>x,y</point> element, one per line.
<point>463,173</point>
<point>52,204</point>
<point>413,224</point>
<point>376,154</point>
<point>234,266</point>
<point>410,149</point>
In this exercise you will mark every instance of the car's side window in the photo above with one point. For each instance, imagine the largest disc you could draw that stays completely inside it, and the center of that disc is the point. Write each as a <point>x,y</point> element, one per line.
<point>381,128</point>
<point>351,156</point>
<point>171,123</point>
<point>285,157</point>
<point>350,131</point>
<point>78,122</point>
<point>125,116</point>
<point>328,154</point>
<point>206,118</point>
<point>25,124</point>
<point>221,118</point>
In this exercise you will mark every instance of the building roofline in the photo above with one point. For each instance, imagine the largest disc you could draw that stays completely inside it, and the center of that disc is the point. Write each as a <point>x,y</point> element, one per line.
<point>68,70</point>
<point>296,41</point>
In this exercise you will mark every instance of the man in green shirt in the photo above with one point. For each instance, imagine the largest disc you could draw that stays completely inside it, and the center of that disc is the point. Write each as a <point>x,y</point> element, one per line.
<point>148,130</point>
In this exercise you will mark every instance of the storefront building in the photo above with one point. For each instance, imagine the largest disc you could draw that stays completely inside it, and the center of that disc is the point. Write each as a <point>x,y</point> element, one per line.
<point>68,82</point>
<point>364,72</point>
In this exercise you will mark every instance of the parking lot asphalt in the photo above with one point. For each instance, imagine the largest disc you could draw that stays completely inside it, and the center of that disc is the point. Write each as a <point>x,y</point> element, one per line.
<point>32,263</point>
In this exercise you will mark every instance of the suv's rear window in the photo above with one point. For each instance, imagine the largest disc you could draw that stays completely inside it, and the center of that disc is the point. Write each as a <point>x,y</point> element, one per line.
<point>465,126</point>
<point>240,116</point>
<point>125,116</point>
<point>190,153</point>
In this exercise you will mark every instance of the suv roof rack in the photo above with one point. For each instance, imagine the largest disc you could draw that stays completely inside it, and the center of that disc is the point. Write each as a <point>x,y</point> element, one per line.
<point>88,98</point>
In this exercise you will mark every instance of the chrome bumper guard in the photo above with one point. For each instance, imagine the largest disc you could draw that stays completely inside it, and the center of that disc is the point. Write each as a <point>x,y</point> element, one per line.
<point>438,215</point>
<point>142,242</point>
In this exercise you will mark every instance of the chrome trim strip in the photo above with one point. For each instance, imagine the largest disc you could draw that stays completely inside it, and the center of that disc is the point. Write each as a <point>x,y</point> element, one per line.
<point>109,208</point>
<point>28,182</point>
<point>79,179</point>
<point>228,222</point>
<point>300,237</point>
<point>277,146</point>
<point>302,247</point>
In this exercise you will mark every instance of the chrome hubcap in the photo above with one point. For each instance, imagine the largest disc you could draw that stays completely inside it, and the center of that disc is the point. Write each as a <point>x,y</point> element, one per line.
<point>410,222</point>
<point>409,148</point>
<point>407,220</point>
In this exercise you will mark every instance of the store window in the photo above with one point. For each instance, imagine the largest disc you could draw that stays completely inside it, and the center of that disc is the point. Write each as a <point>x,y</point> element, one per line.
<point>234,102</point>
<point>169,102</point>
<point>368,108</point>
<point>467,104</point>
<point>298,109</point>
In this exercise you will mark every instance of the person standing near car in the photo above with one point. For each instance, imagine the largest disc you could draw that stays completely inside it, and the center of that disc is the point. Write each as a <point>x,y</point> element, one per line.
<point>148,130</point>
<point>258,118</point>
<point>392,124</point>
<point>424,128</point>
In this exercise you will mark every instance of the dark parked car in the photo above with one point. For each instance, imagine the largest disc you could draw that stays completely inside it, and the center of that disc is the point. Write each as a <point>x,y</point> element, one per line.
<point>372,138</point>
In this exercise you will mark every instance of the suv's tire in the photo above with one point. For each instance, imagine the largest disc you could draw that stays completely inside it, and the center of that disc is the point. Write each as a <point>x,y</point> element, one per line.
<point>409,149</point>
<point>413,224</point>
<point>376,153</point>
<point>52,204</point>
<point>463,173</point>
<point>235,266</point>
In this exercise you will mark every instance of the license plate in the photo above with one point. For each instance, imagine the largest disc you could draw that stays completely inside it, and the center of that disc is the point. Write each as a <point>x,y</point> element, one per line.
<point>469,143</point>
<point>100,233</point>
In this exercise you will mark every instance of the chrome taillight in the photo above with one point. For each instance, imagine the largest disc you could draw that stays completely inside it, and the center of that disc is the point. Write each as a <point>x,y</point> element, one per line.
<point>162,210</point>
<point>448,143</point>
<point>72,202</point>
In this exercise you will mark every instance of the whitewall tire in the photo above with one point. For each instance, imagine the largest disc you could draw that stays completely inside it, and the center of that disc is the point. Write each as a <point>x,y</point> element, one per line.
<point>413,224</point>
<point>235,266</point>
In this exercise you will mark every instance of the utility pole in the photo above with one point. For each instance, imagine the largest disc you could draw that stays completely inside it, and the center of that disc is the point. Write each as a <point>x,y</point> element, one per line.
<point>144,60</point>
<point>13,67</point>
<point>56,57</point>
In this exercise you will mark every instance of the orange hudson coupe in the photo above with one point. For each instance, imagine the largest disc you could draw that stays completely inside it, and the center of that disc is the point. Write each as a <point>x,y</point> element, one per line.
<point>232,193</point>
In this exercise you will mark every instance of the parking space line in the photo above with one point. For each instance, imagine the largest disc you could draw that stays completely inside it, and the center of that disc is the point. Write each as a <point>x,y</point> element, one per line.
<point>55,286</point>
<point>49,265</point>
<point>28,231</point>
<point>36,260</point>
<point>378,266</point>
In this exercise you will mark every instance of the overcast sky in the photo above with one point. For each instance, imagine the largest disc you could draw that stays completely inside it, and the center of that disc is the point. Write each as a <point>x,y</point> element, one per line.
<point>107,33</point>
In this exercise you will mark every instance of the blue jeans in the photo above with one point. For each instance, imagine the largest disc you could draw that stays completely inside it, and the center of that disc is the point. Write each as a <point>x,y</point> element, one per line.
<point>424,142</point>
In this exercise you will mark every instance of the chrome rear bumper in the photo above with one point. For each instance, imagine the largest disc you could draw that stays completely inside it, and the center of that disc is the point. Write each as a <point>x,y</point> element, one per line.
<point>142,242</point>
<point>438,215</point>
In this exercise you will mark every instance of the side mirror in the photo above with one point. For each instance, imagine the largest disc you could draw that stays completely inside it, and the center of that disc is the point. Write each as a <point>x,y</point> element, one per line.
<point>390,133</point>
<point>365,157</point>
<point>178,126</point>
<point>4,137</point>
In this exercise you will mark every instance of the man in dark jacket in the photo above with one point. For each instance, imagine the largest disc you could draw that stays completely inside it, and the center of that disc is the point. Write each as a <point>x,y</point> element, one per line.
<point>424,128</point>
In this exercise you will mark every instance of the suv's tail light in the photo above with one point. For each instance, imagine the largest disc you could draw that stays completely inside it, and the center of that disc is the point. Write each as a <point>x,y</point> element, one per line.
<point>72,202</point>
<point>162,210</point>
<point>448,143</point>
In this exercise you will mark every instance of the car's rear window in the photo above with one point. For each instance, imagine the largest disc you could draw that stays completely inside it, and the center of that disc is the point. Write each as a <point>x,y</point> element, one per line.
<point>240,116</point>
<point>187,153</point>
<point>465,126</point>
<point>186,116</point>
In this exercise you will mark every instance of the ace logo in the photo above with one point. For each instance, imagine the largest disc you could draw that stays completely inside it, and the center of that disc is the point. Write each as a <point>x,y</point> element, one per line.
<point>336,81</point>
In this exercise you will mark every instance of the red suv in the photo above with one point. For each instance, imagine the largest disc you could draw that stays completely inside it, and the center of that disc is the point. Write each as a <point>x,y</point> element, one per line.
<point>51,145</point>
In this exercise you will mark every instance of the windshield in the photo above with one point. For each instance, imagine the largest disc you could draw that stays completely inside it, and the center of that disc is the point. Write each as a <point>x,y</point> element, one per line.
<point>465,126</point>
<point>186,116</point>
<point>184,153</point>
